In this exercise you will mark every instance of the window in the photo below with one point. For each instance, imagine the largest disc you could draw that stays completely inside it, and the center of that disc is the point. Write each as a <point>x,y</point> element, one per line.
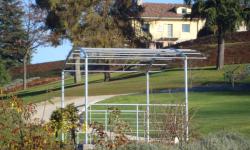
<point>185,27</point>
<point>145,27</point>
<point>184,10</point>
<point>170,31</point>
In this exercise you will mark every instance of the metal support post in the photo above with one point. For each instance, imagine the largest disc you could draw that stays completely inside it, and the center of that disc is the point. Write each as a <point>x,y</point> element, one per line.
<point>137,123</point>
<point>147,76</point>
<point>77,138</point>
<point>90,121</point>
<point>90,114</point>
<point>106,120</point>
<point>186,95</point>
<point>144,125</point>
<point>62,101</point>
<point>86,98</point>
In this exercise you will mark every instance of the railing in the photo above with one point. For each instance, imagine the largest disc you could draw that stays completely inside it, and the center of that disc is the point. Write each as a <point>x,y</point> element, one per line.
<point>166,121</point>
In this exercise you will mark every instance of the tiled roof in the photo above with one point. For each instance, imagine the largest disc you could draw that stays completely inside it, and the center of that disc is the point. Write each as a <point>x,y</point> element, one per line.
<point>161,10</point>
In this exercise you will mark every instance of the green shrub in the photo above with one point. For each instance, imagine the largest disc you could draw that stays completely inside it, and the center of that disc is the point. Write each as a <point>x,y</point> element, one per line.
<point>19,132</point>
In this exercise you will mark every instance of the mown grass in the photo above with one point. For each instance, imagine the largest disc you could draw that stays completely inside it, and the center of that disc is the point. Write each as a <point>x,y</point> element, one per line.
<point>125,83</point>
<point>214,111</point>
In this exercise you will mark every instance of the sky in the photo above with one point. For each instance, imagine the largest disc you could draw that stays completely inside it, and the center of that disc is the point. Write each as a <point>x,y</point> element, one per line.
<point>48,54</point>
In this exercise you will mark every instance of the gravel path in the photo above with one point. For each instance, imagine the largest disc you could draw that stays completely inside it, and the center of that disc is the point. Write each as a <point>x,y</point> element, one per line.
<point>44,109</point>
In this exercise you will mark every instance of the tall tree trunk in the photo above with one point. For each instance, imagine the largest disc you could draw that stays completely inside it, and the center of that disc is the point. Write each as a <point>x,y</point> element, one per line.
<point>25,59</point>
<point>107,75</point>
<point>77,77</point>
<point>221,50</point>
<point>73,134</point>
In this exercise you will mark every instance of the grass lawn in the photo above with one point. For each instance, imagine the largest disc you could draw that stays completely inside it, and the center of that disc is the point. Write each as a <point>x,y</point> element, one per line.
<point>125,83</point>
<point>214,111</point>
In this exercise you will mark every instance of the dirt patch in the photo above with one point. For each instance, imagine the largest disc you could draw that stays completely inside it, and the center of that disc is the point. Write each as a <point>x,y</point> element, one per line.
<point>212,39</point>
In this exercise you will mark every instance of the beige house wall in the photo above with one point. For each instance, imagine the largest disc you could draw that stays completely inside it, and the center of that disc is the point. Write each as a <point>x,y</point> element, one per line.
<point>159,29</point>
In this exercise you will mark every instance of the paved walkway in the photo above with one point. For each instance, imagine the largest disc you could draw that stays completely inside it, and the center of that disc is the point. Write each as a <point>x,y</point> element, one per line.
<point>45,109</point>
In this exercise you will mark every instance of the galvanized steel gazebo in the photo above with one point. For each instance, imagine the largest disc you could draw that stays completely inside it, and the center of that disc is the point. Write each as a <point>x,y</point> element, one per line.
<point>130,60</point>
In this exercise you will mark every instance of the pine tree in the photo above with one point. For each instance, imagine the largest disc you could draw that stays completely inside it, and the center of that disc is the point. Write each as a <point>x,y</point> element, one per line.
<point>12,33</point>
<point>224,15</point>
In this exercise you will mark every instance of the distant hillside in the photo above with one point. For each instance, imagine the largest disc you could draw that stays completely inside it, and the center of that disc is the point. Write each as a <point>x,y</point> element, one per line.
<point>237,51</point>
<point>49,69</point>
<point>237,48</point>
<point>230,38</point>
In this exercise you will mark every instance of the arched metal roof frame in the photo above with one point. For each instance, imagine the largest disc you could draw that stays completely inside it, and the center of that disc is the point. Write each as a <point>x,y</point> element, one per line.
<point>129,57</point>
<point>143,57</point>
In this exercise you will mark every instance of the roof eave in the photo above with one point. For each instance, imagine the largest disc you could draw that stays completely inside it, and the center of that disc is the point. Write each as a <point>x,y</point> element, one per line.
<point>165,18</point>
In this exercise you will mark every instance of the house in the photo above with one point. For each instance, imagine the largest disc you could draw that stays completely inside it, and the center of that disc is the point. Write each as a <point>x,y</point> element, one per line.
<point>167,25</point>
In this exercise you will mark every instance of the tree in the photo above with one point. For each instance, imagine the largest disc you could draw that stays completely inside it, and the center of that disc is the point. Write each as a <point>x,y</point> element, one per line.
<point>246,12</point>
<point>226,15</point>
<point>245,2</point>
<point>188,2</point>
<point>95,23</point>
<point>12,32</point>
<point>65,18</point>
<point>4,75</point>
<point>100,30</point>
<point>36,33</point>
<point>124,12</point>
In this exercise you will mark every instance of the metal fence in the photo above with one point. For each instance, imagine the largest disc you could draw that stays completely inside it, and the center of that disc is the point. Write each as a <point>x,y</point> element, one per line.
<point>163,122</point>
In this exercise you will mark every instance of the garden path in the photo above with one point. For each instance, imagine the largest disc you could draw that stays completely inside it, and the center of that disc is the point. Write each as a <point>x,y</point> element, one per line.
<point>45,109</point>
